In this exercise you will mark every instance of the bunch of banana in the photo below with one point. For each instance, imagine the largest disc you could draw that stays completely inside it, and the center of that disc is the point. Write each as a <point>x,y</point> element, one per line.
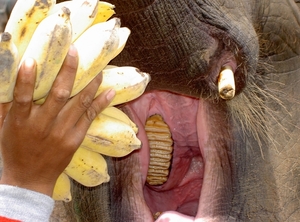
<point>44,30</point>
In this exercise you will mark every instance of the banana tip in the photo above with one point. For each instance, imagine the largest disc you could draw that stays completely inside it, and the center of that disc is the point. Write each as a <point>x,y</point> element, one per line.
<point>5,37</point>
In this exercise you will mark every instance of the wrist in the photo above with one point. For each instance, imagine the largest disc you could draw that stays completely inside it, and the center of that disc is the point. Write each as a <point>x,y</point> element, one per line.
<point>29,184</point>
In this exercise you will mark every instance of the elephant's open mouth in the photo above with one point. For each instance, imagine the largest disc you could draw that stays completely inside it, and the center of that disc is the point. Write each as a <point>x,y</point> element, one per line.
<point>197,178</point>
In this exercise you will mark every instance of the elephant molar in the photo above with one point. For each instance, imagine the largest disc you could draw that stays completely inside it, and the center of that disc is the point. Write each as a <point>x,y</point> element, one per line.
<point>160,143</point>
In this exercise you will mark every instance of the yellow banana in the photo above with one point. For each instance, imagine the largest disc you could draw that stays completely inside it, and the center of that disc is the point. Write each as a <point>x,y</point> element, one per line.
<point>85,13</point>
<point>24,19</point>
<point>105,11</point>
<point>128,82</point>
<point>49,46</point>
<point>48,30</point>
<point>83,16</point>
<point>120,115</point>
<point>8,67</point>
<point>62,188</point>
<point>88,168</point>
<point>111,137</point>
<point>103,40</point>
<point>123,34</point>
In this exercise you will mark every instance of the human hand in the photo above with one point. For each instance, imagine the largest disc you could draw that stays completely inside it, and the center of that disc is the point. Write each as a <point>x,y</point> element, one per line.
<point>38,141</point>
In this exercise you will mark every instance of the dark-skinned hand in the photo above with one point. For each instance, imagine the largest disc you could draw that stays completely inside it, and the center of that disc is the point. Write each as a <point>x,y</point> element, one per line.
<point>38,141</point>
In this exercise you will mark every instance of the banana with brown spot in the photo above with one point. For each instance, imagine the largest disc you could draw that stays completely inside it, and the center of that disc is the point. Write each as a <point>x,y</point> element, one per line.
<point>62,188</point>
<point>83,14</point>
<point>111,137</point>
<point>128,82</point>
<point>8,67</point>
<point>123,34</point>
<point>103,40</point>
<point>49,46</point>
<point>88,168</point>
<point>24,19</point>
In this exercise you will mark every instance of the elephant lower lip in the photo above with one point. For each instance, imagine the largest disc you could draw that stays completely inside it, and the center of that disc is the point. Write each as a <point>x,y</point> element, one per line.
<point>183,190</point>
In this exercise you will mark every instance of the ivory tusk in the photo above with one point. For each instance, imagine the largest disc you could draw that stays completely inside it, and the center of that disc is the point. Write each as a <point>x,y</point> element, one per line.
<point>226,84</point>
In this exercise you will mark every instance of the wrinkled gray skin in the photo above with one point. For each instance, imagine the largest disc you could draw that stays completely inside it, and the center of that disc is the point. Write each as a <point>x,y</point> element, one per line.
<point>183,44</point>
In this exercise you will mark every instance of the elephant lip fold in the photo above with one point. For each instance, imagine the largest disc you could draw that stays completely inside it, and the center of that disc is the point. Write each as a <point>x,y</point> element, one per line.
<point>182,191</point>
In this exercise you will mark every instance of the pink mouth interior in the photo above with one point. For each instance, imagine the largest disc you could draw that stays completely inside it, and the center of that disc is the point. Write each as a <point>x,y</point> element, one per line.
<point>182,190</point>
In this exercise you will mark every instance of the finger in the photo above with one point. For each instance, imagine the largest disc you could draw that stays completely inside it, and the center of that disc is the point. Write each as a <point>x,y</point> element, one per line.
<point>76,106</point>
<point>98,105</point>
<point>24,88</point>
<point>63,84</point>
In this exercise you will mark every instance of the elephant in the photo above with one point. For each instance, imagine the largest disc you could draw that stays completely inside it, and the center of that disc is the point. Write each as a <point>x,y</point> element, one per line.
<point>234,159</point>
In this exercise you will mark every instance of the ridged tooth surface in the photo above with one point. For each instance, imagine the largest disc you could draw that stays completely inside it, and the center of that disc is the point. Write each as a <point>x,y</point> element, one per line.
<point>161,148</point>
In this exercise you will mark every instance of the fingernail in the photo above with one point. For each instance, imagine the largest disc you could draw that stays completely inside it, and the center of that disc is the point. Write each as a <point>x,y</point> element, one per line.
<point>110,94</point>
<point>72,51</point>
<point>29,63</point>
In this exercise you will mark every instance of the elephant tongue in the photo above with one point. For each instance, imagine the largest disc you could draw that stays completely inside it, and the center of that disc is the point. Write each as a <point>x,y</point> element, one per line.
<point>187,118</point>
